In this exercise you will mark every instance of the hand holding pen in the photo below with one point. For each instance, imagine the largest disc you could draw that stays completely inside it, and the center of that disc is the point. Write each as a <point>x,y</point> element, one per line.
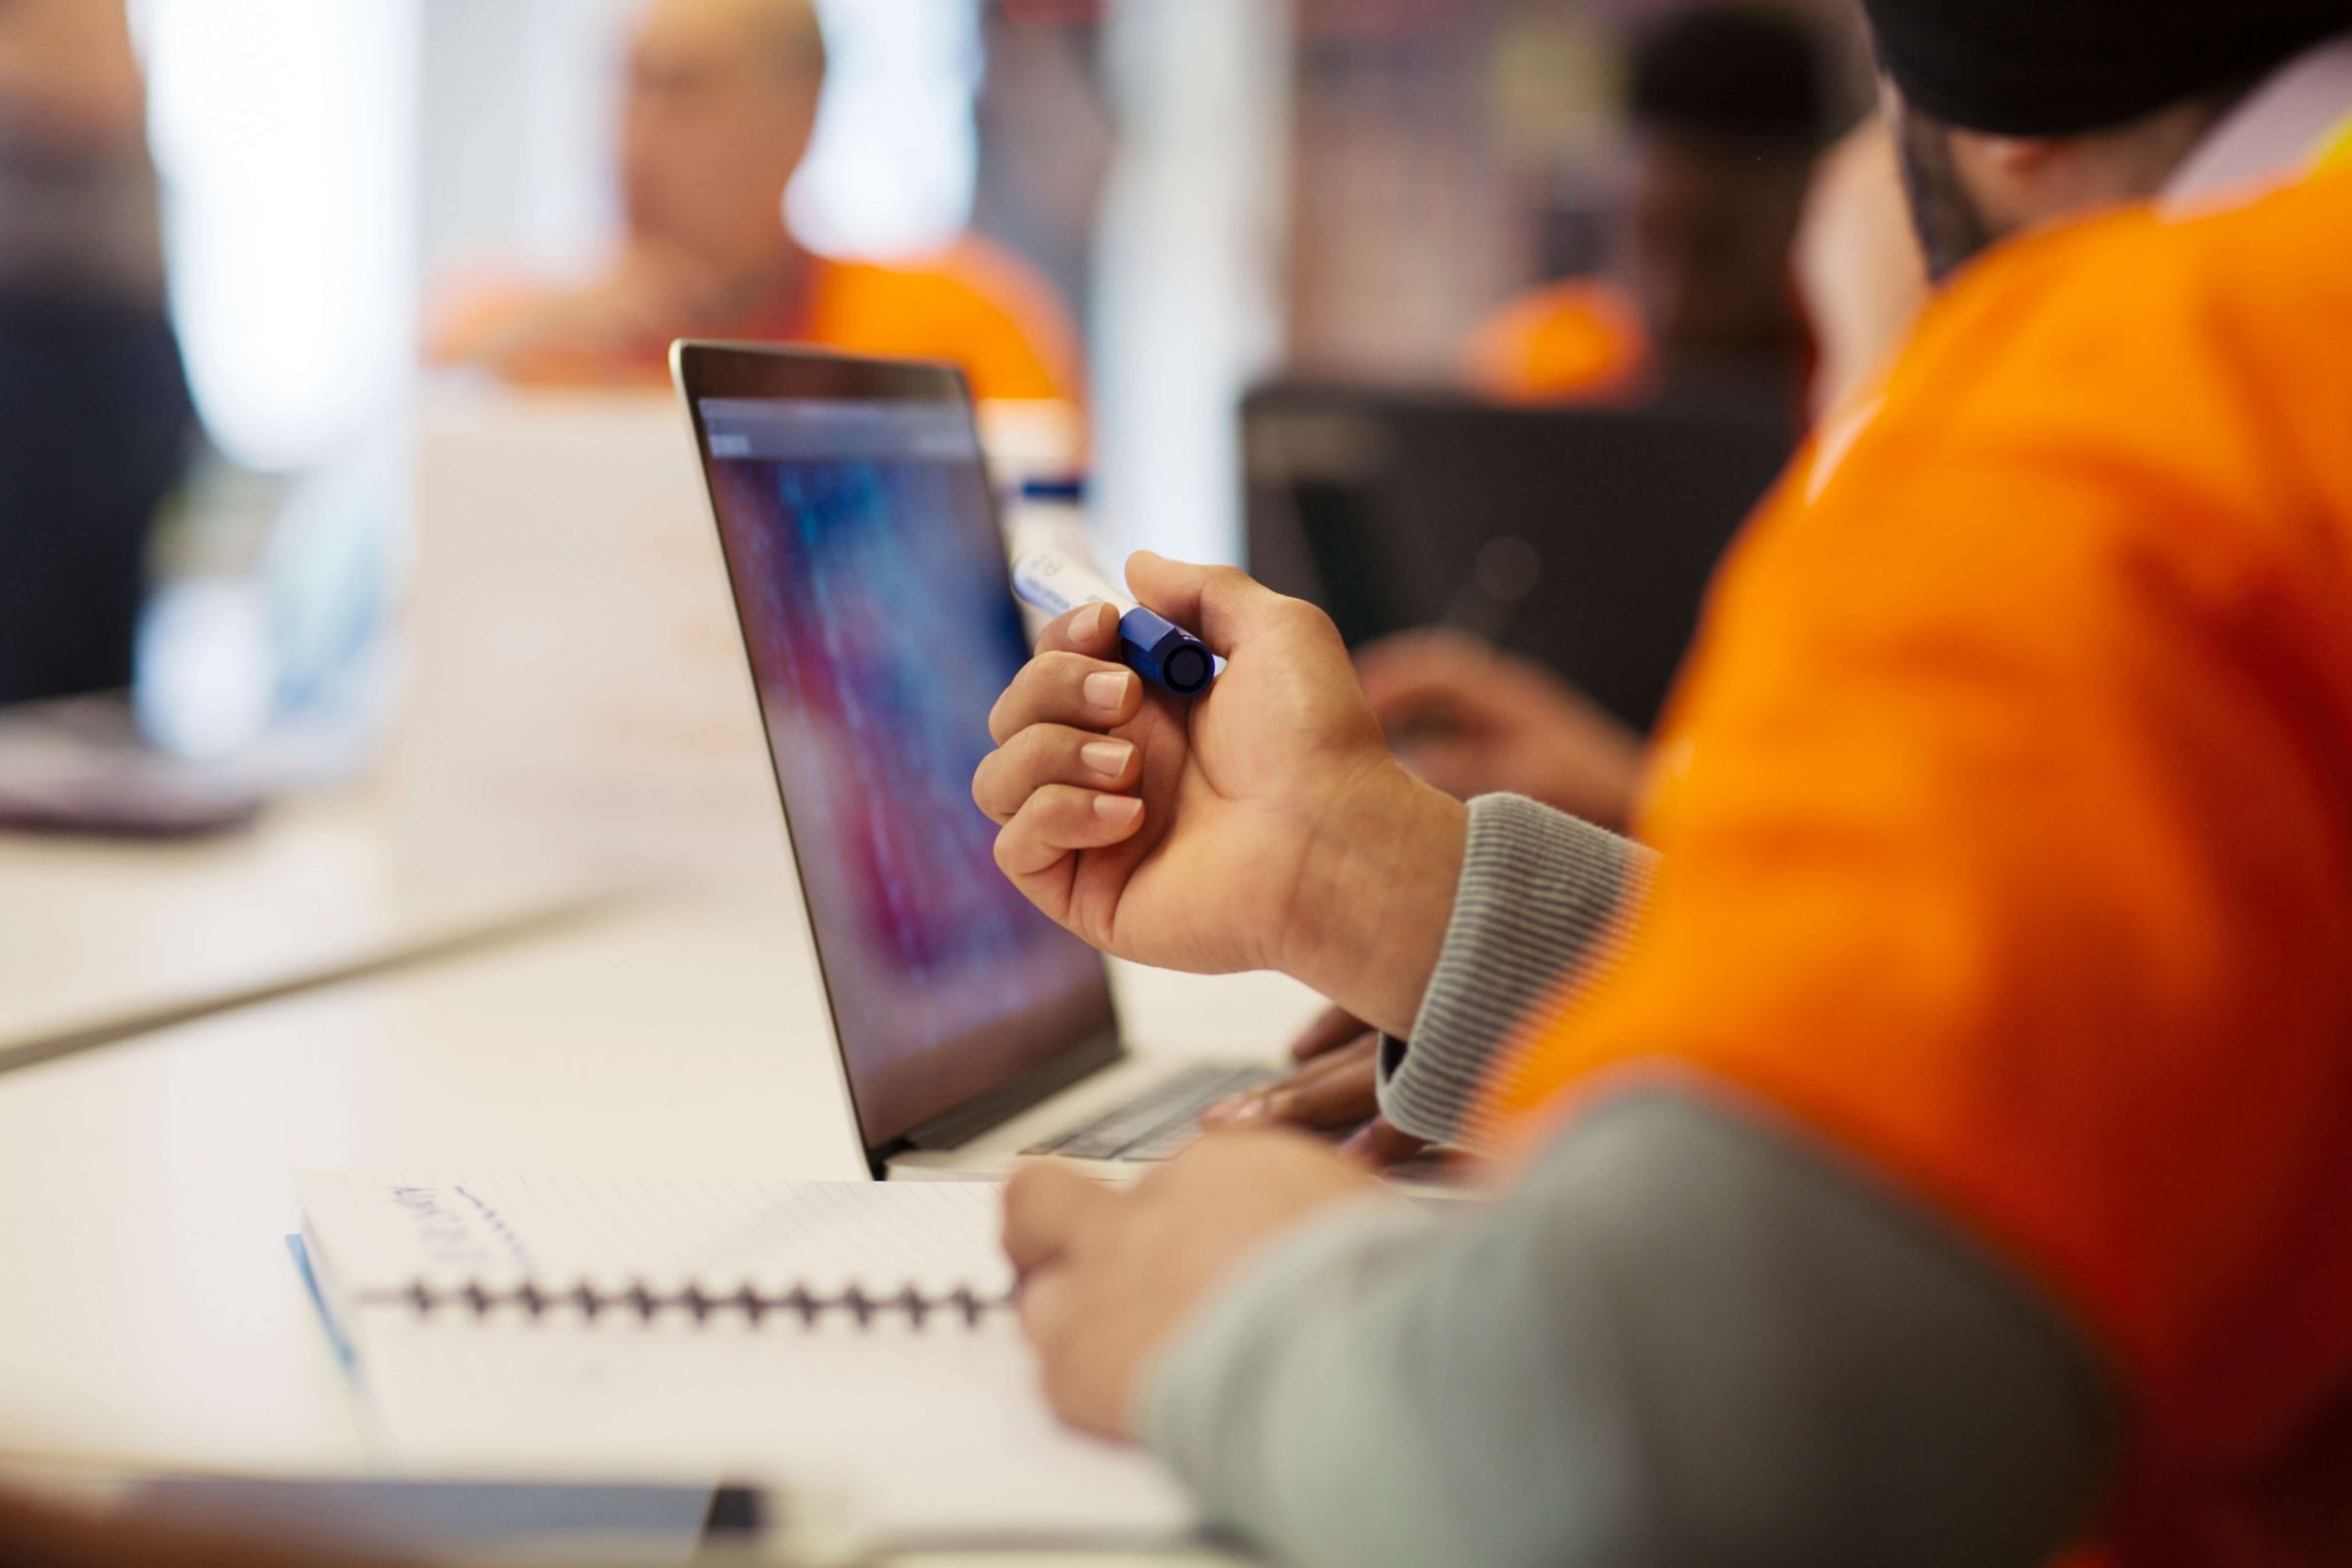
<point>1262,826</point>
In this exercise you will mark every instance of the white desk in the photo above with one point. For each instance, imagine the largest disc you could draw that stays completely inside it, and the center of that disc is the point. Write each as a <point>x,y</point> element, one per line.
<point>100,939</point>
<point>152,1316</point>
<point>578,717</point>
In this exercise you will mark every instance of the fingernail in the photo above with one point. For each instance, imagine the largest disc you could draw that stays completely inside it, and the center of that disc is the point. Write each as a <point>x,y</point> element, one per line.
<point>1108,690</point>
<point>1106,758</point>
<point>1120,809</point>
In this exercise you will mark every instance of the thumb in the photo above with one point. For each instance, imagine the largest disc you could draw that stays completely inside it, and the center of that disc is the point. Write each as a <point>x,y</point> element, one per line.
<point>1382,1144</point>
<point>1222,605</point>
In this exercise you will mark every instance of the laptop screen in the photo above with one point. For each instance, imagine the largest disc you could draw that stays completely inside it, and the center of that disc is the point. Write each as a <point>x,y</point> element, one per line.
<point>876,605</point>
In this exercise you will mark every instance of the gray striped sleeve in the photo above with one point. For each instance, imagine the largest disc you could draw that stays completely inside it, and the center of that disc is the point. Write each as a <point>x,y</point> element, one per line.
<point>1540,913</point>
<point>1691,1335</point>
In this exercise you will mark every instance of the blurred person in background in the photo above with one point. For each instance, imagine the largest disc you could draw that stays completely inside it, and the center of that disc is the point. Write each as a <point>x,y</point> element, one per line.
<point>1473,719</point>
<point>721,105</point>
<point>1729,105</point>
<point>95,416</point>
<point>1939,1151</point>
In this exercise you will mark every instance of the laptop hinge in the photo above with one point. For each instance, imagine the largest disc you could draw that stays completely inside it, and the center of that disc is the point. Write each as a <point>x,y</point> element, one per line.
<point>983,1112</point>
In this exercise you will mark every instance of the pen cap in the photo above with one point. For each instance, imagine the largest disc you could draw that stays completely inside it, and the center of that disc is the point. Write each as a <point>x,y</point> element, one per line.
<point>1163,651</point>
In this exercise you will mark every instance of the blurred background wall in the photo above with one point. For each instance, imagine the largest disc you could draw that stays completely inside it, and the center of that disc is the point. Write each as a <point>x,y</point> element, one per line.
<point>1218,191</point>
<point>1217,186</point>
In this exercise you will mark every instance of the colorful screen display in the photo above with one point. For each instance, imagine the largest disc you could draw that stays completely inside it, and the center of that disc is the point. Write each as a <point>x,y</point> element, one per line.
<point>872,590</point>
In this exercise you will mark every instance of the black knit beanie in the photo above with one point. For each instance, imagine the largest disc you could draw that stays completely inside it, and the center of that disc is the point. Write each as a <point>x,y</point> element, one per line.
<point>2055,68</point>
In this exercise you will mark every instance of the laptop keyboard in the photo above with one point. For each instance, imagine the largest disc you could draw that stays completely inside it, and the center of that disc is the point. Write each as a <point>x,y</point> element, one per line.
<point>1159,1122</point>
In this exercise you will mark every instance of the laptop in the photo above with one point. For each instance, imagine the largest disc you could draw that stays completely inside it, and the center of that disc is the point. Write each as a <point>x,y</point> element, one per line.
<point>1581,537</point>
<point>864,553</point>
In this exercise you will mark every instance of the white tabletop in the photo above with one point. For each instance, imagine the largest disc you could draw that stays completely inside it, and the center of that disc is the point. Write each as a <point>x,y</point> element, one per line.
<point>154,1318</point>
<point>99,938</point>
<point>608,737</point>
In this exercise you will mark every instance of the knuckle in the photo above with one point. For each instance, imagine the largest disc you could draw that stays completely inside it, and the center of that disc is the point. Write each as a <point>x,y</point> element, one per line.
<point>1232,586</point>
<point>1038,748</point>
<point>1004,718</point>
<point>1021,1189</point>
<point>1045,687</point>
<point>1028,759</point>
<point>1073,808</point>
<point>1060,669</point>
<point>1308,619</point>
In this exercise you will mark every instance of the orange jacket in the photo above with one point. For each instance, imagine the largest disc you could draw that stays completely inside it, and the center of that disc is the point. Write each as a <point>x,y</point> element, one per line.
<point>971,305</point>
<point>2007,817</point>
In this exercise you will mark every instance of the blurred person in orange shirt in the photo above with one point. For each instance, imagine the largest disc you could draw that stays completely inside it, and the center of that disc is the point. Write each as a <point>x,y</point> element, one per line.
<point>1729,104</point>
<point>1729,107</point>
<point>721,106</point>
<point>1940,1150</point>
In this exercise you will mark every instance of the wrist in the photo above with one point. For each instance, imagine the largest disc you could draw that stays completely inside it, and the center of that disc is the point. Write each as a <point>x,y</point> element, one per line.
<point>1375,893</point>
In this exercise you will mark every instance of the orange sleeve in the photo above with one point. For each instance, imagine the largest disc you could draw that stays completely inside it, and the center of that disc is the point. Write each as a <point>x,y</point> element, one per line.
<point>2007,824</point>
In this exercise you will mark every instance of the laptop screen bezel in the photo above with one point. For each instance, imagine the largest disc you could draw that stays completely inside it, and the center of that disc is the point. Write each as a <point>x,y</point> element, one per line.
<point>707,369</point>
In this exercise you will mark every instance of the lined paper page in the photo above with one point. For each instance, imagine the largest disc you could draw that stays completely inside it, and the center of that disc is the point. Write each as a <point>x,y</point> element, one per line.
<point>379,1232</point>
<point>931,1430</point>
<point>941,1431</point>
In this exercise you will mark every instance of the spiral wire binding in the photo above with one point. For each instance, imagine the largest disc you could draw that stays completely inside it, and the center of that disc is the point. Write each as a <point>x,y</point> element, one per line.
<point>644,1303</point>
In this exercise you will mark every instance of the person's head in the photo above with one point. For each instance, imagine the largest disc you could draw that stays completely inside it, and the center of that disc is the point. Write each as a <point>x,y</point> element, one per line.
<point>721,104</point>
<point>1730,107</point>
<point>2013,112</point>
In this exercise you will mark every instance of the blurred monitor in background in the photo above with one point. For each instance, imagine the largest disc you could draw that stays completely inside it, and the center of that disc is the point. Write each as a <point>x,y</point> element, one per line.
<point>95,416</point>
<point>1518,583</point>
<point>722,103</point>
<point>1729,105</point>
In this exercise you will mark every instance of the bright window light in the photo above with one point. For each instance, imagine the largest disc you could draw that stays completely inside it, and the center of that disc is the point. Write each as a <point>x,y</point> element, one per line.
<point>286,134</point>
<point>892,170</point>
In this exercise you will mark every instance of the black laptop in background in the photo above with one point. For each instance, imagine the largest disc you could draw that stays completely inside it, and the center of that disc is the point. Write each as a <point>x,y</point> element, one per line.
<point>1581,537</point>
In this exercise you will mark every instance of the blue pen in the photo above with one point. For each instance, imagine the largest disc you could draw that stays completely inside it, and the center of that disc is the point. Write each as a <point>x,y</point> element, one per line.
<point>1153,646</point>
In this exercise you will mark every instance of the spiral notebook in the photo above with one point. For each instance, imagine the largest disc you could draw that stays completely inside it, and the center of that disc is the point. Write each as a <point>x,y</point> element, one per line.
<point>856,1339</point>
